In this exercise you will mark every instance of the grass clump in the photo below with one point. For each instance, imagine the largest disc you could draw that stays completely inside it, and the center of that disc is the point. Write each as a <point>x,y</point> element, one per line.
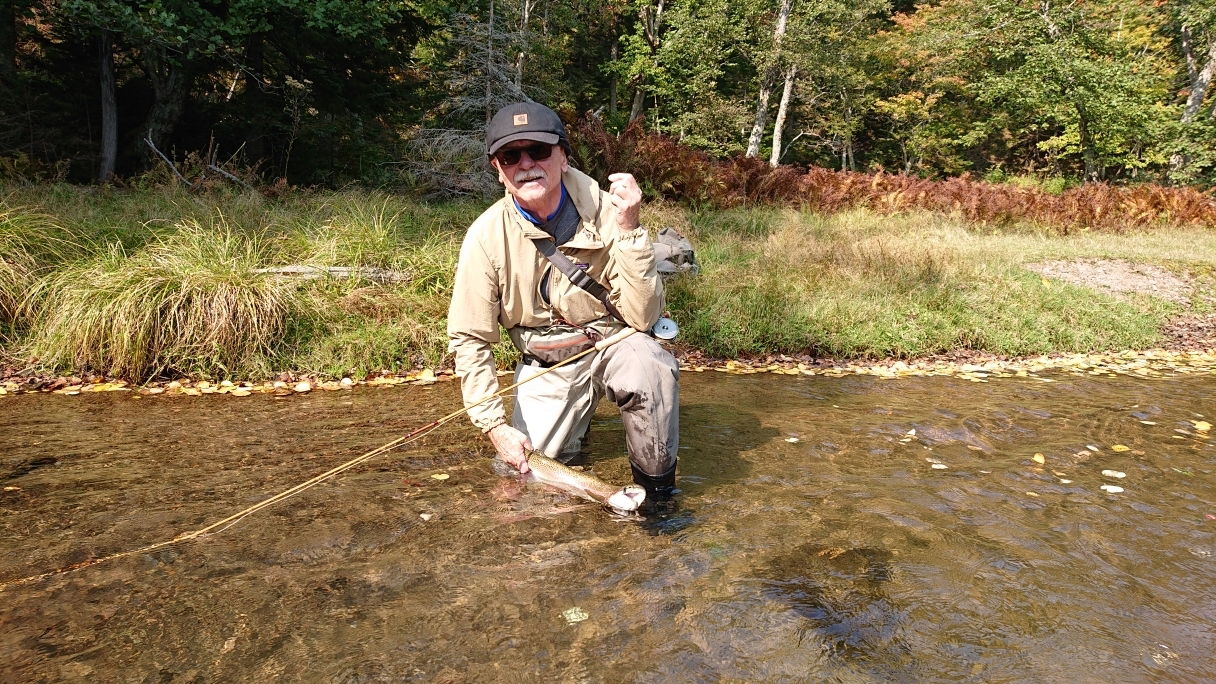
<point>31,243</point>
<point>187,303</point>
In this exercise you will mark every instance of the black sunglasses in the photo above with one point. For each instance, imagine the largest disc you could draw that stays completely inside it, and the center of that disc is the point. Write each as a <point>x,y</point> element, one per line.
<point>536,151</point>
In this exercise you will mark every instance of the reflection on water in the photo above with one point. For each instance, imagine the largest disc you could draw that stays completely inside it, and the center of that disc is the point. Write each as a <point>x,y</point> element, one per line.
<point>841,529</point>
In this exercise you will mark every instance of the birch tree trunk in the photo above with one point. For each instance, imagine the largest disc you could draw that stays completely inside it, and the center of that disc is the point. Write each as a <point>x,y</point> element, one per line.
<point>1199,85</point>
<point>766,82</point>
<point>109,107</point>
<point>774,157</point>
<point>526,14</point>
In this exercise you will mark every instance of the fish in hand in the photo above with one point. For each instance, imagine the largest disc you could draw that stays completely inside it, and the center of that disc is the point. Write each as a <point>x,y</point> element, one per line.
<point>549,472</point>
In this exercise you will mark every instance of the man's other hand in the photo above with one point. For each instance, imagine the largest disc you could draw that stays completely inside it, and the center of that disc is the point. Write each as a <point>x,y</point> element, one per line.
<point>627,197</point>
<point>512,446</point>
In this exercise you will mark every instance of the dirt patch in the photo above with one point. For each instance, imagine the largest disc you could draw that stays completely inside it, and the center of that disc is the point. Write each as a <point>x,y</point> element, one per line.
<point>1117,277</point>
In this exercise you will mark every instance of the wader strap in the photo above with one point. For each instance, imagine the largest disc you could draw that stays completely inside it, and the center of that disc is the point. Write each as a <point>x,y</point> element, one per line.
<point>576,275</point>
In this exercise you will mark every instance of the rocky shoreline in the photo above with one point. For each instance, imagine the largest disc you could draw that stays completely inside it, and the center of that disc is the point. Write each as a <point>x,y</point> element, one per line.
<point>973,366</point>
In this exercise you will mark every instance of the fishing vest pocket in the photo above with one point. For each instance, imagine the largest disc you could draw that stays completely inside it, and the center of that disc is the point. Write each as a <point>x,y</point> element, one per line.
<point>550,345</point>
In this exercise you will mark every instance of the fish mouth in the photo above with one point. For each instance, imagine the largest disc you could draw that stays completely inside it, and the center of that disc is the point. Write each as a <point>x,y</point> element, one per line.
<point>627,499</point>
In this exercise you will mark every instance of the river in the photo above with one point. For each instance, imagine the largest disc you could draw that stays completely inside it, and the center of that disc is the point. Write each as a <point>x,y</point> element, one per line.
<point>847,529</point>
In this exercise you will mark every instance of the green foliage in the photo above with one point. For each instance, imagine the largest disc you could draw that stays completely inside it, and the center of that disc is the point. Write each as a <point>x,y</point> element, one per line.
<point>395,92</point>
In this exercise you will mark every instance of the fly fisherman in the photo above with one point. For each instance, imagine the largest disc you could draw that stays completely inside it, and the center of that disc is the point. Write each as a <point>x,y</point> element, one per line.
<point>505,277</point>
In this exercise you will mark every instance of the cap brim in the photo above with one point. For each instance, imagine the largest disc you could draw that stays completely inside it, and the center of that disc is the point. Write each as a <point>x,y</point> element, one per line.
<point>539,136</point>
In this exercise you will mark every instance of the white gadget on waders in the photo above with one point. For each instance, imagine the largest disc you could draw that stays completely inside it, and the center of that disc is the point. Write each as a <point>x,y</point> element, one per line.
<point>665,329</point>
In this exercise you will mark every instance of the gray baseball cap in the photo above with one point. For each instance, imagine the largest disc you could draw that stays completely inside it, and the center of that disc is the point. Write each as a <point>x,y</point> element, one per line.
<point>524,121</point>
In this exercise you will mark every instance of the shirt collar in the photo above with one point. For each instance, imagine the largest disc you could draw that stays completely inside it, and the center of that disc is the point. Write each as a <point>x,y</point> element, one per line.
<point>537,222</point>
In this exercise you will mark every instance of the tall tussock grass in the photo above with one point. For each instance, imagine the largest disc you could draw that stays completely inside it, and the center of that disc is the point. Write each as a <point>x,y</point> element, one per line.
<point>186,303</point>
<point>31,242</point>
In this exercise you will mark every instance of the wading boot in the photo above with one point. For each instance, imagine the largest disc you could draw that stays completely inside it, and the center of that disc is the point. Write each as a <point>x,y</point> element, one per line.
<point>661,509</point>
<point>660,489</point>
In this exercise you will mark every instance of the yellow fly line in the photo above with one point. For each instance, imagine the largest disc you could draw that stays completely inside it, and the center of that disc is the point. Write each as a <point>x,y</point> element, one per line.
<point>292,491</point>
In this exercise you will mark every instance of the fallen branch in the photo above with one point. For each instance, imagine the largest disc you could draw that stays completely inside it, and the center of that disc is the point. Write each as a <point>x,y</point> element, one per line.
<point>306,272</point>
<point>172,166</point>
<point>230,177</point>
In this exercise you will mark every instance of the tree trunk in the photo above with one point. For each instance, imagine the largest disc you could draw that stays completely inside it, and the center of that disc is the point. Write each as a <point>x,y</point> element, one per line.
<point>753,140</point>
<point>109,107</point>
<point>1199,85</point>
<point>8,42</point>
<point>639,103</point>
<point>170,85</point>
<point>612,87</point>
<point>766,82</point>
<point>1092,173</point>
<point>779,125</point>
<point>490,65</point>
<point>526,14</point>
<point>651,17</point>
<point>255,99</point>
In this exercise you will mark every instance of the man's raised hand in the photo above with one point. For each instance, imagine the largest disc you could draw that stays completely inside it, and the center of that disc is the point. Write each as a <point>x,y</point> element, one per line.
<point>627,197</point>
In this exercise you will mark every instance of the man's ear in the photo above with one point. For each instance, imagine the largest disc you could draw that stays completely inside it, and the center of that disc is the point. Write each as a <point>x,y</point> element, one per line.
<point>501,178</point>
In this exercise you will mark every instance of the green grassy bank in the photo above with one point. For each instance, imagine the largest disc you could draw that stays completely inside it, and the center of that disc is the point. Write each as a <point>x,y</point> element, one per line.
<point>144,283</point>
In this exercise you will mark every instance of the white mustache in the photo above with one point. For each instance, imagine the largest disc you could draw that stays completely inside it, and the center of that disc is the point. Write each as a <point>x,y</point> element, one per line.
<point>531,174</point>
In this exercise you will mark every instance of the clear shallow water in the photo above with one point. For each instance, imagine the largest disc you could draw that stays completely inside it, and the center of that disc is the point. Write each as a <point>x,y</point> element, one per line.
<point>841,556</point>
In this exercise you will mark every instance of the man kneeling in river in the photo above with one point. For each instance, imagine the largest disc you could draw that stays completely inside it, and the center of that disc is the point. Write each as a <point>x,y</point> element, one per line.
<point>505,277</point>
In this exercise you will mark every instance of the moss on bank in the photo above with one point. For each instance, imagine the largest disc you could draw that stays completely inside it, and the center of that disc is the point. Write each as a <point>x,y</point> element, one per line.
<point>156,282</point>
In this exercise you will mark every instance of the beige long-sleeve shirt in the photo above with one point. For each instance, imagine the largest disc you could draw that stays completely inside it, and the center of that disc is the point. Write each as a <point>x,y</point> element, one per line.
<point>500,271</point>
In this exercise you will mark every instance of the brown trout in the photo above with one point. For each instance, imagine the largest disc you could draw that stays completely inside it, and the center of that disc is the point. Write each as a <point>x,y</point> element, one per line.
<point>549,472</point>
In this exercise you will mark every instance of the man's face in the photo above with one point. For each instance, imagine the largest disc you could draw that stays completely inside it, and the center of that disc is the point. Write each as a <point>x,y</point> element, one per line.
<point>535,184</point>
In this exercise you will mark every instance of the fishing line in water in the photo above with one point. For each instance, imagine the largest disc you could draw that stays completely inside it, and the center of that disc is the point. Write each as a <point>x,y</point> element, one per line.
<point>221,525</point>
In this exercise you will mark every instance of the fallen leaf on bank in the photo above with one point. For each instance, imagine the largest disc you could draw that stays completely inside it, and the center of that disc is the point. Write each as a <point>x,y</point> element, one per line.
<point>1201,425</point>
<point>240,392</point>
<point>1120,447</point>
<point>426,376</point>
<point>575,615</point>
<point>303,386</point>
<point>1039,458</point>
<point>1114,473</point>
<point>440,476</point>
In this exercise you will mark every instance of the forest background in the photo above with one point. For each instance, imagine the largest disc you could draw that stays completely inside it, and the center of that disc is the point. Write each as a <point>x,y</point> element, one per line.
<point>861,180</point>
<point>392,93</point>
